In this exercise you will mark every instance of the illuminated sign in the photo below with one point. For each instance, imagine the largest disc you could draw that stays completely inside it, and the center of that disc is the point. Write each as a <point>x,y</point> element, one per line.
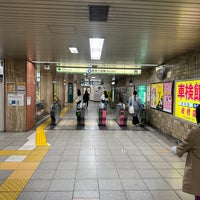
<point>187,99</point>
<point>142,93</point>
<point>98,71</point>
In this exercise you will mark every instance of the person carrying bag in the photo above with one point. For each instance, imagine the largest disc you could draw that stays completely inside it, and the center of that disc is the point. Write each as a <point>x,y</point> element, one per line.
<point>135,103</point>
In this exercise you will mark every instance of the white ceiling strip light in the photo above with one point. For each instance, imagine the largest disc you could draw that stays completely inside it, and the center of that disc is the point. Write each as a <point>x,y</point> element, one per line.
<point>96,45</point>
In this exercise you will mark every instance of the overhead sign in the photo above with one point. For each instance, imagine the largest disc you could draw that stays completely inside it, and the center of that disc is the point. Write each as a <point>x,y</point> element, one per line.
<point>98,71</point>
<point>187,99</point>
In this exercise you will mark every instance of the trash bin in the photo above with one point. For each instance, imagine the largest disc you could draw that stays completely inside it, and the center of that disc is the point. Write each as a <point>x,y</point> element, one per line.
<point>55,113</point>
<point>80,115</point>
<point>121,115</point>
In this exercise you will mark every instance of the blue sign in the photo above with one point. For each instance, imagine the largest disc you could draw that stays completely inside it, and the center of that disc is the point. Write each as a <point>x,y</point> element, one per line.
<point>89,70</point>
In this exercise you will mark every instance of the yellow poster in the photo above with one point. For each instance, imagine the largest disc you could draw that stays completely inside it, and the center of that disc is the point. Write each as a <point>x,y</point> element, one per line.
<point>187,98</point>
<point>156,95</point>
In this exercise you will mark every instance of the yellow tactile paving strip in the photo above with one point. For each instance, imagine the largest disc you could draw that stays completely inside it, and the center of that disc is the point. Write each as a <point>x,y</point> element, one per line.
<point>14,152</point>
<point>64,110</point>
<point>40,131</point>
<point>11,188</point>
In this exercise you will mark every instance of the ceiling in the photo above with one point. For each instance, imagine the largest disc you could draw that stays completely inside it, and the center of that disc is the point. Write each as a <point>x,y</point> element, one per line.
<point>137,32</point>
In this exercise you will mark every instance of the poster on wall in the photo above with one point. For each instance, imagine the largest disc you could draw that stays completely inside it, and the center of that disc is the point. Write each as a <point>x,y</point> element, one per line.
<point>156,95</point>
<point>167,97</point>
<point>148,94</point>
<point>187,95</point>
<point>142,93</point>
<point>161,96</point>
<point>15,99</point>
<point>10,87</point>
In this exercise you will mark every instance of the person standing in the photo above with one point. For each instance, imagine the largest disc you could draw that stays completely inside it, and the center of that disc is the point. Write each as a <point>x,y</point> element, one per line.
<point>104,98</point>
<point>191,146</point>
<point>86,98</point>
<point>78,98</point>
<point>137,104</point>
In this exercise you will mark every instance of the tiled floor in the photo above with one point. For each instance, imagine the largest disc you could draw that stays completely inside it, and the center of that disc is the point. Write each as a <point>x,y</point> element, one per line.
<point>101,163</point>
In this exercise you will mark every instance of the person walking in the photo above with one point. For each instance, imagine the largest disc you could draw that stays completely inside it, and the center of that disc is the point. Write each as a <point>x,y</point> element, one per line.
<point>137,104</point>
<point>191,146</point>
<point>86,98</point>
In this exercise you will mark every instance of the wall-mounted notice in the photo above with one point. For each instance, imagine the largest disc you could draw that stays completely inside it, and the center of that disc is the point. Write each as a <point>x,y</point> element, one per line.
<point>15,99</point>
<point>187,98</point>
<point>148,93</point>
<point>161,96</point>
<point>10,87</point>
<point>21,87</point>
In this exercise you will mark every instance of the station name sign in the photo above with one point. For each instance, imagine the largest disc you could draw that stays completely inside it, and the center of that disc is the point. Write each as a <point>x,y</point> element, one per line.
<point>76,70</point>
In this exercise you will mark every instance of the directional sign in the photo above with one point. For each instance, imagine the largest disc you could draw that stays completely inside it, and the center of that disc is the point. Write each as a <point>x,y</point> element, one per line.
<point>75,70</point>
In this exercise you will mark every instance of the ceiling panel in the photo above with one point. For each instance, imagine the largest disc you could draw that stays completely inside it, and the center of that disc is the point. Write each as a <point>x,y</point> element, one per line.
<point>136,32</point>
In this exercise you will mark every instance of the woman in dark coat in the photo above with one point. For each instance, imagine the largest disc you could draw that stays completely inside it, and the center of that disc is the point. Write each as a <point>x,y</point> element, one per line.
<point>191,145</point>
<point>86,98</point>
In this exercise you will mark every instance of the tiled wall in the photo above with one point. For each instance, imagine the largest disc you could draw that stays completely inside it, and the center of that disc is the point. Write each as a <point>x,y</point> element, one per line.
<point>181,68</point>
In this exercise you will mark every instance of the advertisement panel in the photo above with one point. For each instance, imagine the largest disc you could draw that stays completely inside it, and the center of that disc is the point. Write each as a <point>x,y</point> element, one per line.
<point>187,98</point>
<point>142,93</point>
<point>162,96</point>
<point>156,95</point>
<point>167,97</point>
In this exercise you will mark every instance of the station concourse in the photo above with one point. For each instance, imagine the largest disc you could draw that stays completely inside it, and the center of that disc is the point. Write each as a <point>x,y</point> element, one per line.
<point>91,162</point>
<point>49,50</point>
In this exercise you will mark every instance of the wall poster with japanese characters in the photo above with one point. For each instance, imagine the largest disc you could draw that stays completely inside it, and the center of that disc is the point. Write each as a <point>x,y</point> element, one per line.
<point>187,98</point>
<point>162,96</point>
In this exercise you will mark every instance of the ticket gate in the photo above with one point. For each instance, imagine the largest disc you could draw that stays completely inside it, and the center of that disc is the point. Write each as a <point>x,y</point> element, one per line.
<point>121,115</point>
<point>80,115</point>
<point>102,116</point>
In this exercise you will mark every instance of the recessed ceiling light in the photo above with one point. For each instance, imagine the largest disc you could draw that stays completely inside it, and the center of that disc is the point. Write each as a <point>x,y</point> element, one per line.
<point>73,50</point>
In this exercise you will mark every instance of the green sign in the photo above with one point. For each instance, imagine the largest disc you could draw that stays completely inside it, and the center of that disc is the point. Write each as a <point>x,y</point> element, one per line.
<point>142,93</point>
<point>75,70</point>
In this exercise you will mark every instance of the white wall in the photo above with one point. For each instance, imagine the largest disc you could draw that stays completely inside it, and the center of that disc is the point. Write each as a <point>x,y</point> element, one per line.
<point>97,91</point>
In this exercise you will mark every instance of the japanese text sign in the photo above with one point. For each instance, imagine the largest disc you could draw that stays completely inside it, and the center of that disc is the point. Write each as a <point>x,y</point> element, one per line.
<point>187,99</point>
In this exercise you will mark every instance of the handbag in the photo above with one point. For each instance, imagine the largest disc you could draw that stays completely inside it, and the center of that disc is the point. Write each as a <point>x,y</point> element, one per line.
<point>135,120</point>
<point>131,108</point>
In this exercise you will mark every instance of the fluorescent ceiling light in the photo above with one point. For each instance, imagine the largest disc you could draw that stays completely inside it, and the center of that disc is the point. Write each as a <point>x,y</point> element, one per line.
<point>96,45</point>
<point>73,49</point>
<point>44,62</point>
